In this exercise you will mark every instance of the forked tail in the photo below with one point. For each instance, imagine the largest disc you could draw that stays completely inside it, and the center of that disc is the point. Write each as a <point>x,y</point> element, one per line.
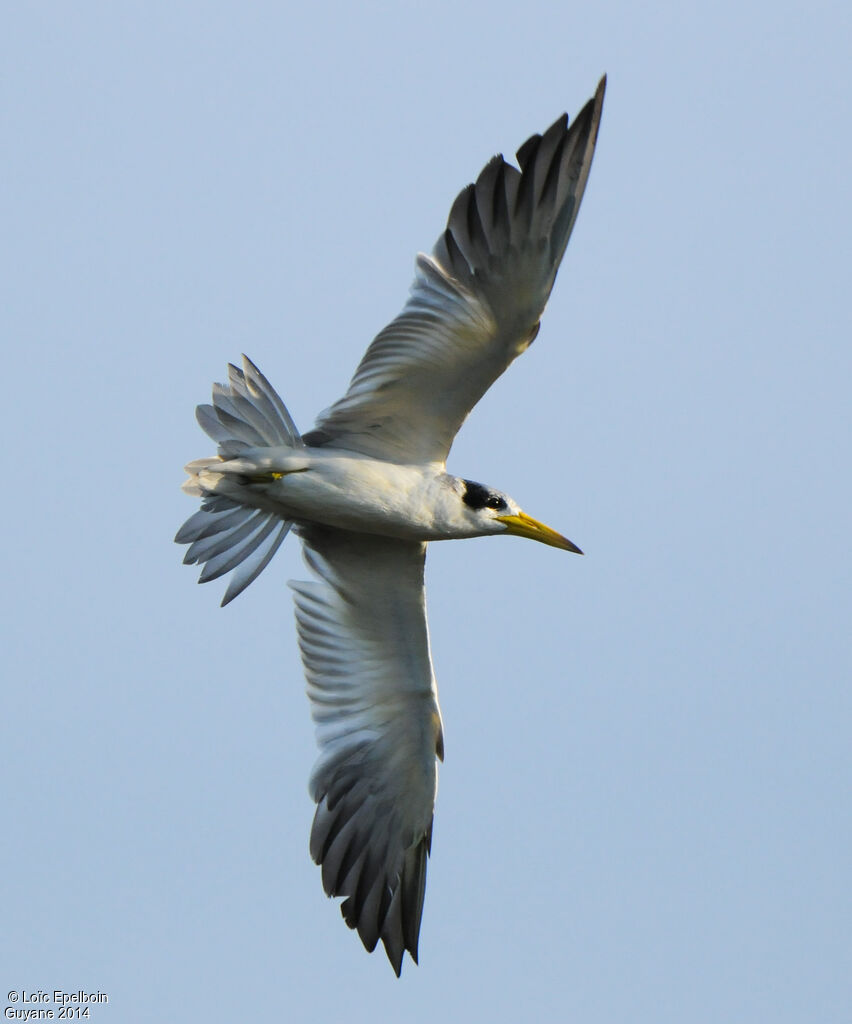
<point>225,534</point>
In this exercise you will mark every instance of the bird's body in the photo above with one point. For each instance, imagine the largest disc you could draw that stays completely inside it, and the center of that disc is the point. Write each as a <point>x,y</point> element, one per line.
<point>352,492</point>
<point>366,490</point>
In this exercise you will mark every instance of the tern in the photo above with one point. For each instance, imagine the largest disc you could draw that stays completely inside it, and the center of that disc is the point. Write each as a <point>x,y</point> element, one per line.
<point>366,490</point>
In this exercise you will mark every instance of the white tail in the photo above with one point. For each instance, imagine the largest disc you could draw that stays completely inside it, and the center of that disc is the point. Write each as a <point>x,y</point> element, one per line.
<point>225,534</point>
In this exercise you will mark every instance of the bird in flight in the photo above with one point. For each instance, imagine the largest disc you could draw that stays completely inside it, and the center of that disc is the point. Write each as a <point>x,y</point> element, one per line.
<point>366,490</point>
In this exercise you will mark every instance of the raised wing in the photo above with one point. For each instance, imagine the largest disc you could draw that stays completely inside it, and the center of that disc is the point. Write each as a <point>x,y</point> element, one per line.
<point>365,647</point>
<point>475,303</point>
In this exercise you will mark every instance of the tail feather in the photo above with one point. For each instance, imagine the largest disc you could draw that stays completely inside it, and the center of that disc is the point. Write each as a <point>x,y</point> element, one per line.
<point>234,419</point>
<point>212,426</point>
<point>219,503</point>
<point>204,524</point>
<point>225,535</point>
<point>247,413</point>
<point>245,522</point>
<point>268,412</point>
<point>239,548</point>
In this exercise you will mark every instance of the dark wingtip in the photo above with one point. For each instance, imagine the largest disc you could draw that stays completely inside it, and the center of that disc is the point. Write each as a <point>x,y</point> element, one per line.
<point>395,961</point>
<point>600,92</point>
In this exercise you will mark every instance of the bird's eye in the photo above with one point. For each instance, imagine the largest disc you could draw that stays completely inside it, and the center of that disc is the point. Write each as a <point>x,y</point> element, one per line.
<point>478,497</point>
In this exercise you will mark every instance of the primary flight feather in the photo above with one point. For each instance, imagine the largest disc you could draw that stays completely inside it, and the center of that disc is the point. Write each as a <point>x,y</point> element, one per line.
<point>365,490</point>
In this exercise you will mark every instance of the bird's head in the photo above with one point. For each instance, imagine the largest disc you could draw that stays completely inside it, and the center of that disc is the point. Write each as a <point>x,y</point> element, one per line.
<point>489,511</point>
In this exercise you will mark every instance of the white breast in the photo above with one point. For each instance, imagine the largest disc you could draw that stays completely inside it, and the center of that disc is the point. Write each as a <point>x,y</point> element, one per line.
<point>354,492</point>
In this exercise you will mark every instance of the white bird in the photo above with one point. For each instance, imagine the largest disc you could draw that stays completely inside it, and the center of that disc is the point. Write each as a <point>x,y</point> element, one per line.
<point>366,490</point>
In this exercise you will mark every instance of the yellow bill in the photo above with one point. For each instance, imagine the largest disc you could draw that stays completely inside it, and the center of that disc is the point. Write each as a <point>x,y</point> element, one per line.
<point>523,525</point>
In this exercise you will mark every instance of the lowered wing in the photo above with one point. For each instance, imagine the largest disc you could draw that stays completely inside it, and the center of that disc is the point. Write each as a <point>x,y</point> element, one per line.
<point>475,303</point>
<point>362,632</point>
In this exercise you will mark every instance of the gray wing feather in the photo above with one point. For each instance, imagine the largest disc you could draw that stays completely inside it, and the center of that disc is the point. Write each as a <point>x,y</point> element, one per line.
<point>363,637</point>
<point>475,303</point>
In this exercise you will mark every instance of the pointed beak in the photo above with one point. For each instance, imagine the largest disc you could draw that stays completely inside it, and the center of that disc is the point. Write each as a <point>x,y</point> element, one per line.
<point>523,525</point>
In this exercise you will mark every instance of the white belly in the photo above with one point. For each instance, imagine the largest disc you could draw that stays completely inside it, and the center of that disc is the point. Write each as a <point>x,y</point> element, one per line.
<point>348,491</point>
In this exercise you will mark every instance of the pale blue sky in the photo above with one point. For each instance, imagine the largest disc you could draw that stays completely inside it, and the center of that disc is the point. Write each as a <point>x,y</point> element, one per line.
<point>644,811</point>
